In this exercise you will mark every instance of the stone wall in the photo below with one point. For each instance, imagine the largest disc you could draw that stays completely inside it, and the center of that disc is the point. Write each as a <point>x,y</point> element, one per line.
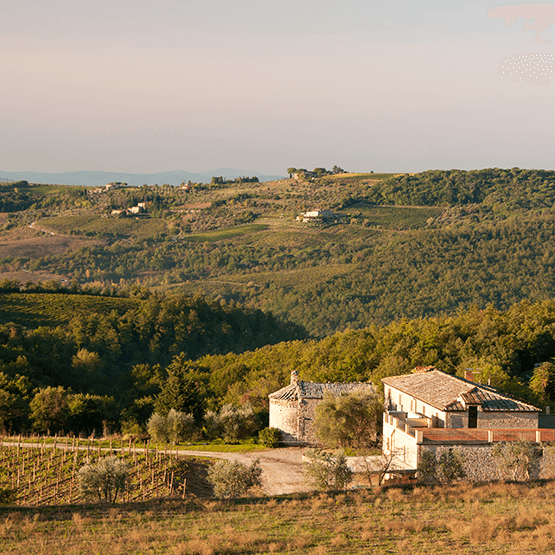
<point>507,419</point>
<point>284,417</point>
<point>306,420</point>
<point>480,465</point>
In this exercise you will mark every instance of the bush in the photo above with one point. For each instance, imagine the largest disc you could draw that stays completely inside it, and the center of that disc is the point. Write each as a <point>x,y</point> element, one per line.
<point>105,480</point>
<point>326,471</point>
<point>444,467</point>
<point>515,459</point>
<point>231,423</point>
<point>269,437</point>
<point>173,428</point>
<point>348,420</point>
<point>232,479</point>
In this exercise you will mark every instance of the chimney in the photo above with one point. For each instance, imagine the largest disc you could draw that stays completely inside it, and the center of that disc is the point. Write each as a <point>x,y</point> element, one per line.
<point>469,375</point>
<point>294,376</point>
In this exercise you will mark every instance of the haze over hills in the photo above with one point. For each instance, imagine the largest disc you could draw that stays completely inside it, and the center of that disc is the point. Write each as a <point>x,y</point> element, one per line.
<point>95,178</point>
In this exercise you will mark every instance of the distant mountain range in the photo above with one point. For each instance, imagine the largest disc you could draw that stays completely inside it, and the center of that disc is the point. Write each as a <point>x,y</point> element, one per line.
<point>96,178</point>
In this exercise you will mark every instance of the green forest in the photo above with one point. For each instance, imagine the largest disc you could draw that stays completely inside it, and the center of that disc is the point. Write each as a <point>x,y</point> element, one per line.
<point>224,289</point>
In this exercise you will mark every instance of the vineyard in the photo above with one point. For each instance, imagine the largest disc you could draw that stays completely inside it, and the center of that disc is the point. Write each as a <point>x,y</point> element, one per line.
<point>48,309</point>
<point>40,473</point>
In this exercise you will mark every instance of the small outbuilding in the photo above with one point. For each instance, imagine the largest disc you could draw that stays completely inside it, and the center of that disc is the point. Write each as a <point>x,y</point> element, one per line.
<point>292,407</point>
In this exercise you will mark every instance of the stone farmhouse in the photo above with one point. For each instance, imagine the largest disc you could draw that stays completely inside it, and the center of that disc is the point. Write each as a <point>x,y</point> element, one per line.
<point>292,407</point>
<point>430,409</point>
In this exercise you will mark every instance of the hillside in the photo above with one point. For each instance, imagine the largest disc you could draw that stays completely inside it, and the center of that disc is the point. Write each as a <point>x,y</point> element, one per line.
<point>397,246</point>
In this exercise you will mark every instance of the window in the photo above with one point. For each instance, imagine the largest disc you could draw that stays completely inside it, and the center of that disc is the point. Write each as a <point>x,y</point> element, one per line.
<point>472,417</point>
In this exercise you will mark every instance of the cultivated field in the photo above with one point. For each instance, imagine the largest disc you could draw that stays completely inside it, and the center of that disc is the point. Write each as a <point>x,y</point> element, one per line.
<point>44,309</point>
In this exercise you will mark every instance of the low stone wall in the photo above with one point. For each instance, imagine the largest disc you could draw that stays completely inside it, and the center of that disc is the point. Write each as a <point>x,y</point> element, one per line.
<point>480,465</point>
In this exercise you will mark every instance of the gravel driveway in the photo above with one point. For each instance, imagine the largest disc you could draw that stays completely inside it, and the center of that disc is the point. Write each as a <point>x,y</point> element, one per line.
<point>282,469</point>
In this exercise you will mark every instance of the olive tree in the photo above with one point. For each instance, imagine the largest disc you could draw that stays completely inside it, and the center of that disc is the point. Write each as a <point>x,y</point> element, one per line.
<point>104,480</point>
<point>175,427</point>
<point>231,422</point>
<point>348,421</point>
<point>443,467</point>
<point>233,479</point>
<point>326,471</point>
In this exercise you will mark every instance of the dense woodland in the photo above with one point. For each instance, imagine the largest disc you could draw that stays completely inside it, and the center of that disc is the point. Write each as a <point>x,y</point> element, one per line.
<point>403,246</point>
<point>115,366</point>
<point>450,268</point>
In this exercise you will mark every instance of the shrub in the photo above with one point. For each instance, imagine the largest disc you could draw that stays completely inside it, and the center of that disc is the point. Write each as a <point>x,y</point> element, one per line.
<point>105,480</point>
<point>231,423</point>
<point>326,471</point>
<point>444,467</point>
<point>348,420</point>
<point>269,437</point>
<point>515,459</point>
<point>232,478</point>
<point>173,428</point>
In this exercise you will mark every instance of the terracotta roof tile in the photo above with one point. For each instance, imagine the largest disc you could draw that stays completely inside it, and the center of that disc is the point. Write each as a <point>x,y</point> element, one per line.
<point>450,393</point>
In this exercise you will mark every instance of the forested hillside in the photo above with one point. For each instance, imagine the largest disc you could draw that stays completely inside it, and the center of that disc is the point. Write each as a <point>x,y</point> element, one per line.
<point>397,246</point>
<point>116,368</point>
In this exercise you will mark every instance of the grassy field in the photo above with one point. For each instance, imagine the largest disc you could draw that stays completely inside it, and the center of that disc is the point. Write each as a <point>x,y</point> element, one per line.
<point>464,519</point>
<point>46,309</point>
<point>396,217</point>
<point>228,233</point>
<point>141,228</point>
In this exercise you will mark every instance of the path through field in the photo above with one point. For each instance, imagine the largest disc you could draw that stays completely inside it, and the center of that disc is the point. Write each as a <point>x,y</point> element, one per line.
<point>282,470</point>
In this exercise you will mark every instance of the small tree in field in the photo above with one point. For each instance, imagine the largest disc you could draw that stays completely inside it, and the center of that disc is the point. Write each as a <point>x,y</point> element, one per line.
<point>269,437</point>
<point>515,459</point>
<point>326,471</point>
<point>173,428</point>
<point>233,479</point>
<point>104,480</point>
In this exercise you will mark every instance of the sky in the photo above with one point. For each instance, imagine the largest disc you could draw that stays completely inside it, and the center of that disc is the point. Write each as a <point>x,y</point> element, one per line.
<point>376,85</point>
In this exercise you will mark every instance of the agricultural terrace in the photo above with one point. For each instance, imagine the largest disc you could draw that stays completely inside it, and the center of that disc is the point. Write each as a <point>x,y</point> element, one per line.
<point>42,472</point>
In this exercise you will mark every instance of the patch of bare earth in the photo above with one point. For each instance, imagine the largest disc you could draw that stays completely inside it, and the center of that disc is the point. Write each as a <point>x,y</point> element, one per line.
<point>43,245</point>
<point>33,277</point>
<point>282,469</point>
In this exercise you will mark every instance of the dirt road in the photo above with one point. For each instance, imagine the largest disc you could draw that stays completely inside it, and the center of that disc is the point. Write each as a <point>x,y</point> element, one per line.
<point>282,470</point>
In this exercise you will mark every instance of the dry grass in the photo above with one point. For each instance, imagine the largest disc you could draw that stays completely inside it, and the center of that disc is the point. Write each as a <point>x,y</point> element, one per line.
<point>492,519</point>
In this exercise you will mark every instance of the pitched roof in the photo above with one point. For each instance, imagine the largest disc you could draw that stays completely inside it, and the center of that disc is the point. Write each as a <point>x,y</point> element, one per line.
<point>451,393</point>
<point>313,390</point>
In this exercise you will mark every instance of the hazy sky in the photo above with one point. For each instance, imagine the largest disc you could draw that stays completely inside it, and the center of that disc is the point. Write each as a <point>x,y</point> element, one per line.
<point>383,85</point>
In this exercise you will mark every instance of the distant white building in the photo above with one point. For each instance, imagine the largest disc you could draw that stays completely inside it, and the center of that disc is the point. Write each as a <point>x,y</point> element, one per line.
<point>316,215</point>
